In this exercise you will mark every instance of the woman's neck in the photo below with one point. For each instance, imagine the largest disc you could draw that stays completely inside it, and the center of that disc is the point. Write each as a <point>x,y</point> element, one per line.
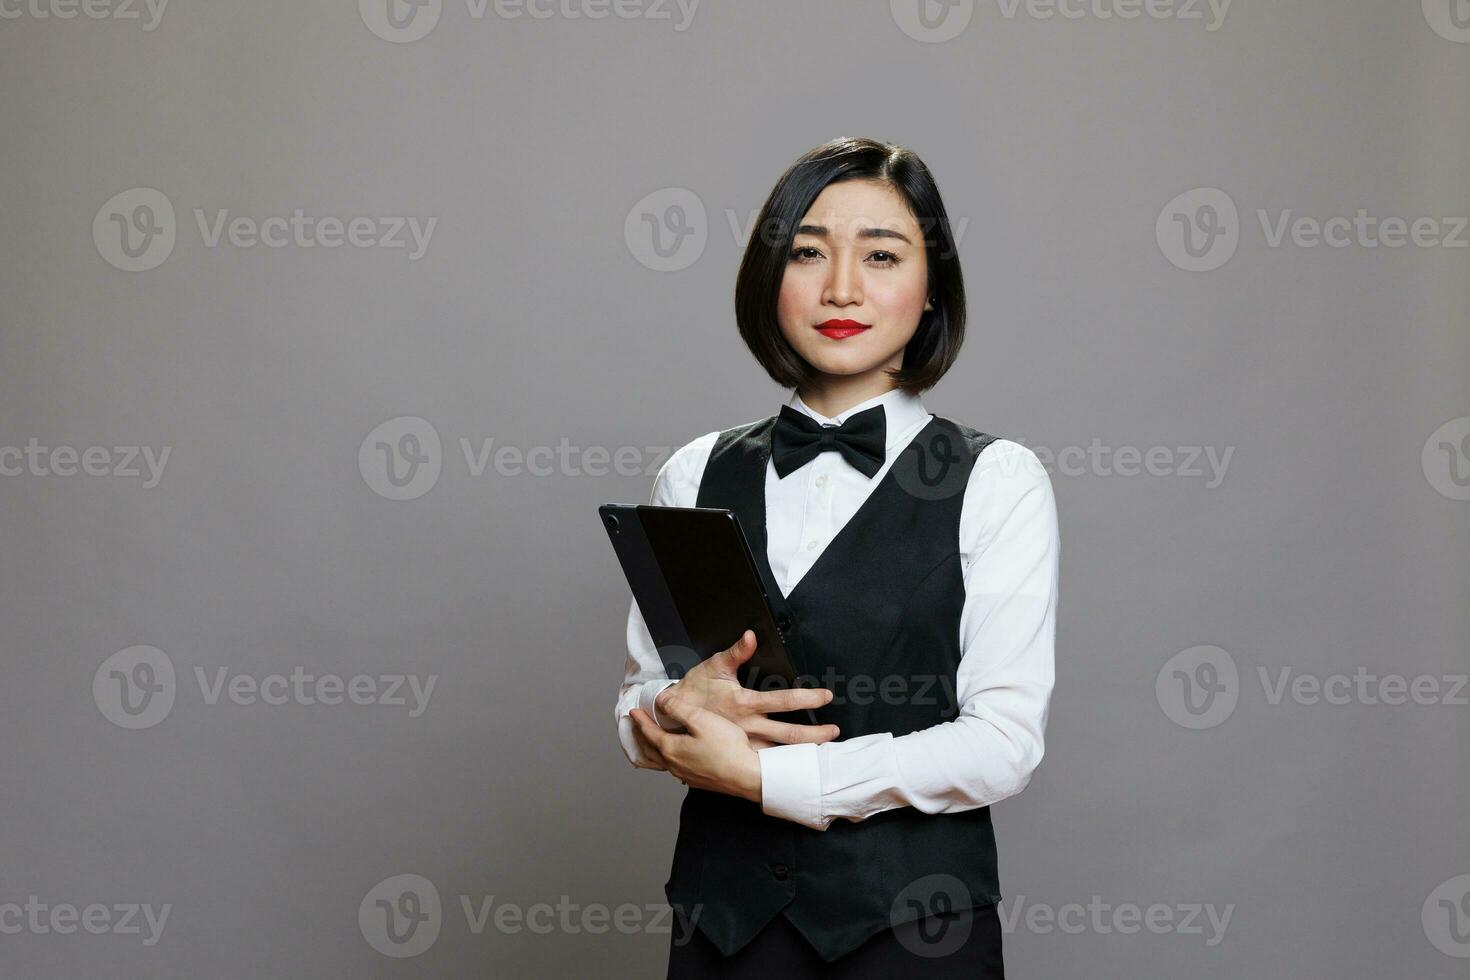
<point>832,395</point>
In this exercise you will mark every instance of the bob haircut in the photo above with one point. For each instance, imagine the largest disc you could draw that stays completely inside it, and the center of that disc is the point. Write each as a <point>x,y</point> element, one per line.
<point>936,341</point>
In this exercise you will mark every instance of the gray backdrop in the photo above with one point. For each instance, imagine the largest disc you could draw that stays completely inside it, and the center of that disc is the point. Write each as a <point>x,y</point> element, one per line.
<point>384,455</point>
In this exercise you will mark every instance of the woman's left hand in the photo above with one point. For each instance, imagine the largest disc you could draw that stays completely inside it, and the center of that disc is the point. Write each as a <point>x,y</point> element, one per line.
<point>714,754</point>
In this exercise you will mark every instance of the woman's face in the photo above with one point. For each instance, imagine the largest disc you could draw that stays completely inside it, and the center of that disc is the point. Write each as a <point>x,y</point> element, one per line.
<point>858,256</point>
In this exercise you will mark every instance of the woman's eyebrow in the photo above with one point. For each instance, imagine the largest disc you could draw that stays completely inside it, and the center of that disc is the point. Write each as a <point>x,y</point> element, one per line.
<point>821,232</point>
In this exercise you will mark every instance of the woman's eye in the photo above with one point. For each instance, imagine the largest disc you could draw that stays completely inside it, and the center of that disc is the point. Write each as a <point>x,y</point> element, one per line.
<point>806,253</point>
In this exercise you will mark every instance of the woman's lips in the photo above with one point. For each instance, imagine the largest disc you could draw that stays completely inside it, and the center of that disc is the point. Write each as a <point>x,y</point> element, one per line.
<point>838,329</point>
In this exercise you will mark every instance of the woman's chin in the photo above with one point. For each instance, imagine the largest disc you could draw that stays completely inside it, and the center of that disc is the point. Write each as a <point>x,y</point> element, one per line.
<point>844,364</point>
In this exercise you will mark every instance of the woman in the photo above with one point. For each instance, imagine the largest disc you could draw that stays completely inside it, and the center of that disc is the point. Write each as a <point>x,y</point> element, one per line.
<point>915,564</point>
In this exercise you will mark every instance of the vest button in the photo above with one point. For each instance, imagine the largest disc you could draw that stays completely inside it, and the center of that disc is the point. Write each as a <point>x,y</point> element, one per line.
<point>780,871</point>
<point>783,622</point>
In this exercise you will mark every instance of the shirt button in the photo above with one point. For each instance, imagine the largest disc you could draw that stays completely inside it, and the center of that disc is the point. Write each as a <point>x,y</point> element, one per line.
<point>822,480</point>
<point>812,545</point>
<point>780,871</point>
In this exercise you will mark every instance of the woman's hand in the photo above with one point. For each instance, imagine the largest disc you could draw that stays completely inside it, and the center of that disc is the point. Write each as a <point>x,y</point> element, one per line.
<point>714,755</point>
<point>714,686</point>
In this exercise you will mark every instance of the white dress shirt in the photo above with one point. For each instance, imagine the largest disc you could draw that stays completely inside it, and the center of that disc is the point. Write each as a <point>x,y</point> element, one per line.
<point>1009,550</point>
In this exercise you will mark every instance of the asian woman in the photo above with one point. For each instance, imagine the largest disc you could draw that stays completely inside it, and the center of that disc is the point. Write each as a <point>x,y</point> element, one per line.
<point>916,562</point>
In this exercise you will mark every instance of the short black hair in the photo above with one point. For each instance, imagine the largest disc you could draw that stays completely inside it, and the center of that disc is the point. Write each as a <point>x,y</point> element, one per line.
<point>936,341</point>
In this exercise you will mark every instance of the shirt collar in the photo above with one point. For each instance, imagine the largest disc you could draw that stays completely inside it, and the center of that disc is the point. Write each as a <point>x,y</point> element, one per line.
<point>902,410</point>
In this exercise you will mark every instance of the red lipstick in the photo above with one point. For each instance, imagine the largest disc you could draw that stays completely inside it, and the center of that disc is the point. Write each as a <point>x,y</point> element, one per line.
<point>838,329</point>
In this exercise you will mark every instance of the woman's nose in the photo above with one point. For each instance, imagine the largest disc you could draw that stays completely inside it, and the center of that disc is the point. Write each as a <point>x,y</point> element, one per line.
<point>845,283</point>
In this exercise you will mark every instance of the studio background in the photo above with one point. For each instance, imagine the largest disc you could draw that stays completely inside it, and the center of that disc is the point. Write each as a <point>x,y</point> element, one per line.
<point>582,186</point>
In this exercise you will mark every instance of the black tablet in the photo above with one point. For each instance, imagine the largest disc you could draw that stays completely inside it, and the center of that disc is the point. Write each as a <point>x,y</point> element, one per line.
<point>697,583</point>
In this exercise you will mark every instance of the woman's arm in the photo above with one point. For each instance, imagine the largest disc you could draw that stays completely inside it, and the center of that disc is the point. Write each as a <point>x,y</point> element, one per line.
<point>644,677</point>
<point>1009,543</point>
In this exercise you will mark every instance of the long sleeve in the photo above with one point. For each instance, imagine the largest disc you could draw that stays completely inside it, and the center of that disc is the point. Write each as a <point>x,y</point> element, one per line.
<point>1010,549</point>
<point>676,485</point>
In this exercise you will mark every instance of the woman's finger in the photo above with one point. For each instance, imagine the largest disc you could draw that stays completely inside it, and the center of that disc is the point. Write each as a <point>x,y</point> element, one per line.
<point>794,699</point>
<point>649,736</point>
<point>652,757</point>
<point>788,734</point>
<point>680,711</point>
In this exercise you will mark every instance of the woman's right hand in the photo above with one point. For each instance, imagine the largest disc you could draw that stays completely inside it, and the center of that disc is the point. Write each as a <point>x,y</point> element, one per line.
<point>714,686</point>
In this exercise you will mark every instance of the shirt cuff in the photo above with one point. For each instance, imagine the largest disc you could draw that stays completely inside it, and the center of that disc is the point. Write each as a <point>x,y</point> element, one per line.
<point>791,784</point>
<point>646,697</point>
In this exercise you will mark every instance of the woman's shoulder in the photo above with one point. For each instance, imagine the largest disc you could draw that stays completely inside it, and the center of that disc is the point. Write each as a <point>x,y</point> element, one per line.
<point>684,468</point>
<point>994,452</point>
<point>691,456</point>
<point>1003,453</point>
<point>681,472</point>
<point>1009,493</point>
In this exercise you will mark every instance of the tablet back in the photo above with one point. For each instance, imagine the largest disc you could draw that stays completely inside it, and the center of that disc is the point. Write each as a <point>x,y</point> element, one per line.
<point>698,586</point>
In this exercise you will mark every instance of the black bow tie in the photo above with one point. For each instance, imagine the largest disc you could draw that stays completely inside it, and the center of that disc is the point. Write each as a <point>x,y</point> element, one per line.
<point>797,438</point>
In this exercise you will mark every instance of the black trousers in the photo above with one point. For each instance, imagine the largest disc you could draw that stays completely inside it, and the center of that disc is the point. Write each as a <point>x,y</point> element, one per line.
<point>949,945</point>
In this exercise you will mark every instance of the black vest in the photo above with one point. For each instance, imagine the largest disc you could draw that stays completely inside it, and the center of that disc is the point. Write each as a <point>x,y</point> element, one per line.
<point>877,620</point>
